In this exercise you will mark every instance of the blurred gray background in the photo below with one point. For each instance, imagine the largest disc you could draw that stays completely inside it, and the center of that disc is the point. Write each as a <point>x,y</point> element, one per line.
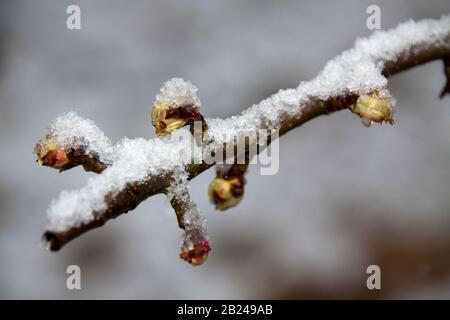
<point>345,197</point>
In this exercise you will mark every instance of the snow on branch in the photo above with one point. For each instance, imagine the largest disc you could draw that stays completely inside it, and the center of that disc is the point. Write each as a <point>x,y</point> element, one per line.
<point>71,141</point>
<point>195,244</point>
<point>136,169</point>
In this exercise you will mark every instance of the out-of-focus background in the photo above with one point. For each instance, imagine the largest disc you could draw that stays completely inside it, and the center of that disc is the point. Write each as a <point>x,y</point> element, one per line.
<point>345,197</point>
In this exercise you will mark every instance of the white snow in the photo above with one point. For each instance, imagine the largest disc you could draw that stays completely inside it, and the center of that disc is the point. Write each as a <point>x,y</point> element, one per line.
<point>177,92</point>
<point>356,70</point>
<point>70,131</point>
<point>134,161</point>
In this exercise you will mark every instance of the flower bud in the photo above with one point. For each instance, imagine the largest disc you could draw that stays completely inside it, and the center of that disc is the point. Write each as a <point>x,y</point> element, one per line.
<point>226,193</point>
<point>163,123</point>
<point>197,254</point>
<point>176,105</point>
<point>50,155</point>
<point>371,108</point>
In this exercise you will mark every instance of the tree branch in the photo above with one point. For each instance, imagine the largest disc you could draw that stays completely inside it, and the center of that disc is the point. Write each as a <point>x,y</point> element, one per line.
<point>357,73</point>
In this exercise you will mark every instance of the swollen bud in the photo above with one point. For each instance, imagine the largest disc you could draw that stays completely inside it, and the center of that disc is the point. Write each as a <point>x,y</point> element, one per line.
<point>226,193</point>
<point>197,253</point>
<point>163,123</point>
<point>371,108</point>
<point>176,105</point>
<point>50,155</point>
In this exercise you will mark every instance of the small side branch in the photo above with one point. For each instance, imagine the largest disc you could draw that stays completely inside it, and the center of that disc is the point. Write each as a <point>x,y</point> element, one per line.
<point>195,244</point>
<point>446,89</point>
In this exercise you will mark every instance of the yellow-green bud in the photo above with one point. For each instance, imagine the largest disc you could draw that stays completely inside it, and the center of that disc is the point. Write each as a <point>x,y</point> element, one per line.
<point>176,105</point>
<point>224,193</point>
<point>51,155</point>
<point>371,108</point>
<point>162,120</point>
